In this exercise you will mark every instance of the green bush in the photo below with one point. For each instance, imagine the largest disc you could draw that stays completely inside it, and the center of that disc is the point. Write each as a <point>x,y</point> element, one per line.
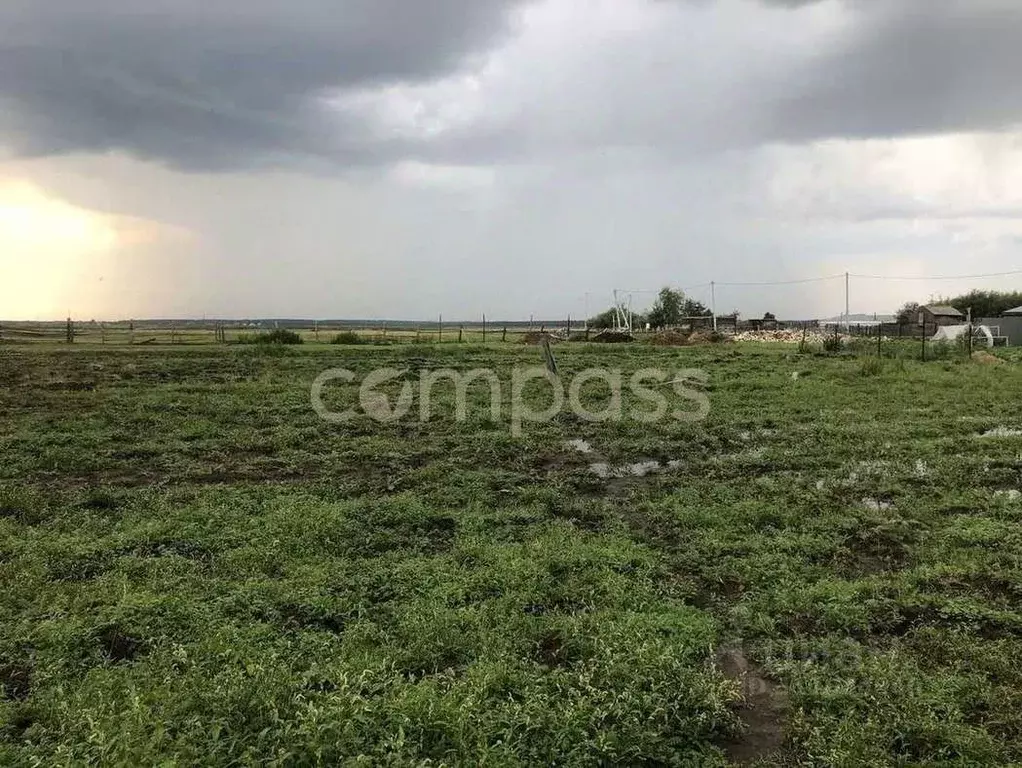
<point>833,344</point>
<point>276,336</point>
<point>347,337</point>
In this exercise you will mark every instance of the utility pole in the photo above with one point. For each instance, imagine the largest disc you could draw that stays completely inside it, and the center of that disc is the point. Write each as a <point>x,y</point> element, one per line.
<point>713,303</point>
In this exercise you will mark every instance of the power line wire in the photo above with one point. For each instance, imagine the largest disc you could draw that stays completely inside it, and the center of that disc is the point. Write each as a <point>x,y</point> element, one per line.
<point>857,277</point>
<point>783,282</point>
<point>938,277</point>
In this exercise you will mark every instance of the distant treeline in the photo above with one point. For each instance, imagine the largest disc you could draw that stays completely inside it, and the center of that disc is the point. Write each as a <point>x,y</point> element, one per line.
<point>983,304</point>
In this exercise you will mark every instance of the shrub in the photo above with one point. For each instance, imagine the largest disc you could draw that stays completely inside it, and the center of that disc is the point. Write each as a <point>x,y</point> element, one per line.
<point>347,337</point>
<point>276,336</point>
<point>833,344</point>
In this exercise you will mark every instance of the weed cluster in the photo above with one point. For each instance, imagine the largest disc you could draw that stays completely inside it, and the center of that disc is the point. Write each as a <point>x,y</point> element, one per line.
<point>276,336</point>
<point>347,338</point>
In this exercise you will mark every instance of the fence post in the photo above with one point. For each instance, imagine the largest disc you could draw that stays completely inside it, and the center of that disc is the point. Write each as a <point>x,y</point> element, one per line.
<point>503,336</point>
<point>922,337</point>
<point>70,331</point>
<point>461,330</point>
<point>484,329</point>
<point>969,331</point>
<point>880,340</point>
<point>440,331</point>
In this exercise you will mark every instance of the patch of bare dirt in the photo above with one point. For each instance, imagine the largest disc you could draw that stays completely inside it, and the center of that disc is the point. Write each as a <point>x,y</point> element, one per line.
<point>763,710</point>
<point>708,337</point>
<point>15,681</point>
<point>985,358</point>
<point>670,339</point>
<point>552,649</point>
<point>118,647</point>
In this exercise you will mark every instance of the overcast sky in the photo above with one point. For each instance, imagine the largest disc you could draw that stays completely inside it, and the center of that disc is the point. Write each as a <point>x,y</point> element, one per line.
<point>405,158</point>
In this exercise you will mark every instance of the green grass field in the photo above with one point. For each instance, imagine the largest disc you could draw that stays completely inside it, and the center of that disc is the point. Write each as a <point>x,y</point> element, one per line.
<point>195,569</point>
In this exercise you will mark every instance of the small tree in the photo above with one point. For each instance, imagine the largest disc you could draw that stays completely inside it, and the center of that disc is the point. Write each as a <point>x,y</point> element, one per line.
<point>668,309</point>
<point>694,308</point>
<point>603,320</point>
<point>909,313</point>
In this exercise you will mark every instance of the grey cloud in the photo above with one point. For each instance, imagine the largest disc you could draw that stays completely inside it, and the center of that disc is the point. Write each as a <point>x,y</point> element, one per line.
<point>910,68</point>
<point>210,85</point>
<point>891,68</point>
<point>201,84</point>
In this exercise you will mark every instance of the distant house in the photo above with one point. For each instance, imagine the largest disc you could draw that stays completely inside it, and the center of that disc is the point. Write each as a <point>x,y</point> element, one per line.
<point>1016,312</point>
<point>941,315</point>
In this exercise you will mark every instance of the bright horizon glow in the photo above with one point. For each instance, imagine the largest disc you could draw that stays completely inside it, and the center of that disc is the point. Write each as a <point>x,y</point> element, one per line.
<point>46,245</point>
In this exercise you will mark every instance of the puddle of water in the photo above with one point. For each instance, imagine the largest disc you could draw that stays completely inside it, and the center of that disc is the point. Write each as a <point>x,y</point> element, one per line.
<point>642,468</point>
<point>635,469</point>
<point>582,446</point>
<point>1002,432</point>
<point>876,505</point>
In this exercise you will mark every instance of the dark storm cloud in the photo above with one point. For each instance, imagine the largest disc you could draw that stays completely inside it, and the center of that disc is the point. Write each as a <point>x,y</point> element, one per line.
<point>911,67</point>
<point>209,85</point>
<point>205,83</point>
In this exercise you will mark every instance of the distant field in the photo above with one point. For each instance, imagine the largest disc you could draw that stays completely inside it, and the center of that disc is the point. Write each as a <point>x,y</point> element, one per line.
<point>192,333</point>
<point>196,569</point>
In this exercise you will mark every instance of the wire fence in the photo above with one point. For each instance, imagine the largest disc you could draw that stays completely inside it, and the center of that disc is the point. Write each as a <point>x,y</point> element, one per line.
<point>131,333</point>
<point>881,339</point>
